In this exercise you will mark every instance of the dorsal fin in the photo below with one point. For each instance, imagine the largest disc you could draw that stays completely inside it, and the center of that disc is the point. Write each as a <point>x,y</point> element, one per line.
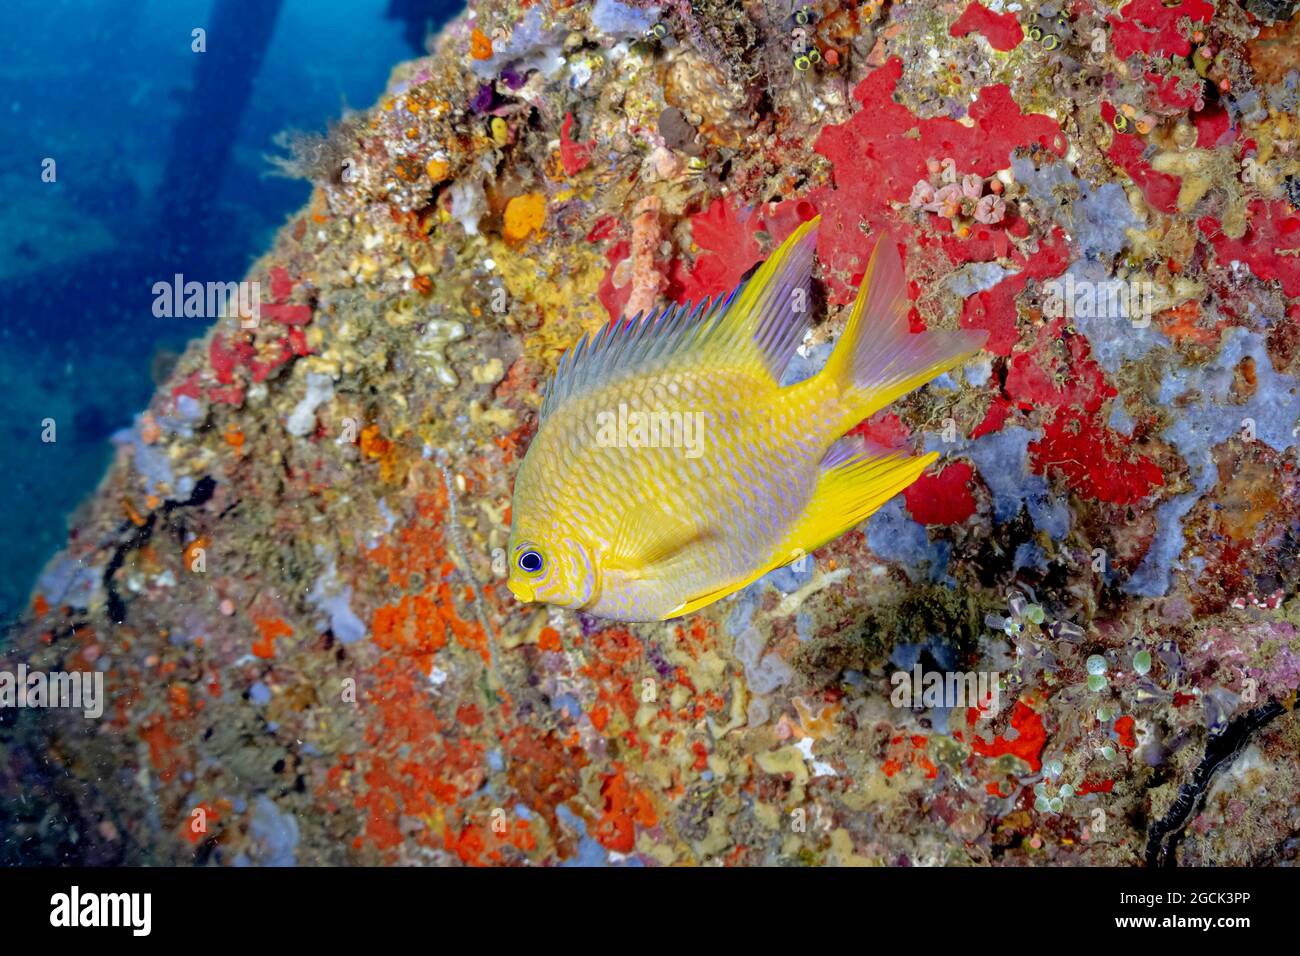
<point>759,325</point>
<point>774,308</point>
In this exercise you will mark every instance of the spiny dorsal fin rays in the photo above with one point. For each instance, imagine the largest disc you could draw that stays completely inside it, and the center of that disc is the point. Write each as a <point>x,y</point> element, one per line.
<point>618,339</point>
<point>758,325</point>
<point>620,347</point>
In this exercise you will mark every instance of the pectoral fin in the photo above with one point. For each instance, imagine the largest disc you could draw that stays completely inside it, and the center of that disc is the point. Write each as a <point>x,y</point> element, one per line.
<point>717,594</point>
<point>650,535</point>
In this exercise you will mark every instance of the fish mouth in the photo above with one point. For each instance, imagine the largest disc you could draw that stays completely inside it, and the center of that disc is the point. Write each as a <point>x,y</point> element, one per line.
<point>523,592</point>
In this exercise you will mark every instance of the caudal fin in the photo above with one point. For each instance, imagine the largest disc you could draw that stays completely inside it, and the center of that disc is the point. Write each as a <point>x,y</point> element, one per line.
<point>877,359</point>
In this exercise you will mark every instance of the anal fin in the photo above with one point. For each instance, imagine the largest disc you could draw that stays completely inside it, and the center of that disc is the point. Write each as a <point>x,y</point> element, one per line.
<point>849,492</point>
<point>708,597</point>
<point>852,487</point>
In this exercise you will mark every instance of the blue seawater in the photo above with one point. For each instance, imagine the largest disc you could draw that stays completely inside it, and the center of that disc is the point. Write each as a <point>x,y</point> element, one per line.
<point>129,155</point>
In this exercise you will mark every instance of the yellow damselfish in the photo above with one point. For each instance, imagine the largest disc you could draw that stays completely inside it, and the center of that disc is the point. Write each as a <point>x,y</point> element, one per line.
<point>671,467</point>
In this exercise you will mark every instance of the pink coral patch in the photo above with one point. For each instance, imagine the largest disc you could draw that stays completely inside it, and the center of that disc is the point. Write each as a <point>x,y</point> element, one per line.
<point>1002,30</point>
<point>1126,152</point>
<point>1270,246</point>
<point>881,152</point>
<point>726,235</point>
<point>1152,27</point>
<point>944,497</point>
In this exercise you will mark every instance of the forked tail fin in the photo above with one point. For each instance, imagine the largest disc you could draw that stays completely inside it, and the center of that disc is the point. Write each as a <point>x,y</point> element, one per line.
<point>877,359</point>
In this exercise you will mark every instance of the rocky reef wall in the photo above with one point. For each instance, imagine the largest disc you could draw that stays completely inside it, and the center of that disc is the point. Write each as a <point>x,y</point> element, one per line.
<point>291,578</point>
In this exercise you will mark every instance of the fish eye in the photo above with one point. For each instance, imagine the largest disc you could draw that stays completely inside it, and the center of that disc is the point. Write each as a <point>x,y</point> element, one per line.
<point>530,562</point>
